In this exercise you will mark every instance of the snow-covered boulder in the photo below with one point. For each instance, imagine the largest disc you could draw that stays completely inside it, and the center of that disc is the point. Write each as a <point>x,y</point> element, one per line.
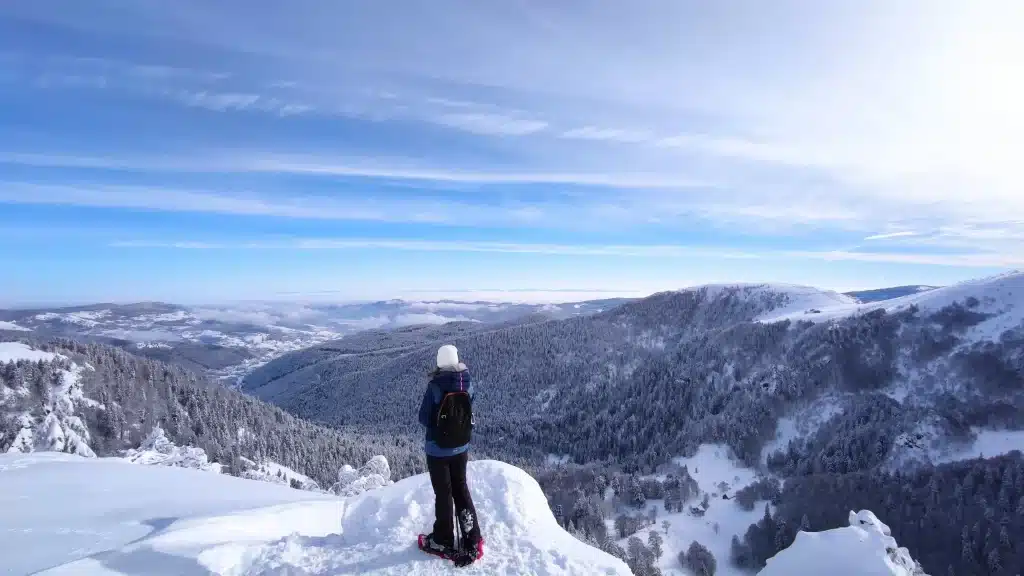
<point>159,450</point>
<point>104,516</point>
<point>864,548</point>
<point>376,473</point>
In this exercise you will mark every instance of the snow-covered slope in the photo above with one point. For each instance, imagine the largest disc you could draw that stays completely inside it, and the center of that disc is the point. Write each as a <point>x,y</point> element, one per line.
<point>864,548</point>
<point>269,471</point>
<point>67,515</point>
<point>14,351</point>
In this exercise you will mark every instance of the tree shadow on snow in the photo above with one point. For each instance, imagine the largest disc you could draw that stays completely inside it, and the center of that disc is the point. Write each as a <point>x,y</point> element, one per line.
<point>111,556</point>
<point>144,560</point>
<point>157,525</point>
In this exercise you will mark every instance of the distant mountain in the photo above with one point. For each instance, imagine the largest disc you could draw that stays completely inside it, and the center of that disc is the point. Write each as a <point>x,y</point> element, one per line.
<point>816,388</point>
<point>879,294</point>
<point>226,342</point>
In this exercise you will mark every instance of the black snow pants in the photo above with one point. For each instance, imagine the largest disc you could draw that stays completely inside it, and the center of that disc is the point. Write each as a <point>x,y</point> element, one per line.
<point>448,477</point>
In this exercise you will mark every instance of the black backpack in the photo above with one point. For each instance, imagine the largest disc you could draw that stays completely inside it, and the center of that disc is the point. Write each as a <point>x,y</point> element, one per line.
<point>454,424</point>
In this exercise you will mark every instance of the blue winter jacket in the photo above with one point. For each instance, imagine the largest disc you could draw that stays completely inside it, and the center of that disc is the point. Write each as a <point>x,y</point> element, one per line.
<point>445,380</point>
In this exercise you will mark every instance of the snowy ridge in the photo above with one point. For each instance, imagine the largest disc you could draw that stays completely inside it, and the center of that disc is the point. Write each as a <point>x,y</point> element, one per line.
<point>864,548</point>
<point>778,300</point>
<point>156,449</point>
<point>188,523</point>
<point>1001,296</point>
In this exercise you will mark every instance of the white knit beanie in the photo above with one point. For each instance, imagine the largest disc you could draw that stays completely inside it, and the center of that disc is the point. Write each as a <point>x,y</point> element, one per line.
<point>447,356</point>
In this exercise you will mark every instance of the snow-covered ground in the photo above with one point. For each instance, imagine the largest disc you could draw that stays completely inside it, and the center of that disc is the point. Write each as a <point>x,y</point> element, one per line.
<point>864,548</point>
<point>988,444</point>
<point>14,351</point>
<point>716,470</point>
<point>67,515</point>
<point>801,424</point>
<point>716,473</point>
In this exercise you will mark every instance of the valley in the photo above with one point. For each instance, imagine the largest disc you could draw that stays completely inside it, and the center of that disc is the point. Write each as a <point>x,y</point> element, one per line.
<point>226,342</point>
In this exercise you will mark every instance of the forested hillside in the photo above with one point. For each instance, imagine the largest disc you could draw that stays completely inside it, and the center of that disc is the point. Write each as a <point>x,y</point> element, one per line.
<point>799,385</point>
<point>654,379</point>
<point>118,398</point>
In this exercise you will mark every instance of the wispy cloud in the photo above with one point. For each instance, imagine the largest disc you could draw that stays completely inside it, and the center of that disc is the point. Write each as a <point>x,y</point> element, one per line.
<point>491,124</point>
<point>608,135</point>
<point>323,164</point>
<point>436,208</point>
<point>970,260</point>
<point>224,101</point>
<point>647,251</point>
<point>740,148</point>
<point>280,205</point>
<point>888,235</point>
<point>978,259</point>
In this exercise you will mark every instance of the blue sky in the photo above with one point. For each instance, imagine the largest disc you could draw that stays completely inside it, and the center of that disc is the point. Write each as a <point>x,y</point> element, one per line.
<point>200,151</point>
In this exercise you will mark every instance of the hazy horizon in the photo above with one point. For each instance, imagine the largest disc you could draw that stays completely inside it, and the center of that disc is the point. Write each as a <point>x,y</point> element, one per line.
<point>496,296</point>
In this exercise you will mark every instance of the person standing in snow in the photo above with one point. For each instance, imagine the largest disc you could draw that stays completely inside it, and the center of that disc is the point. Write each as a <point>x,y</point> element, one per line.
<point>446,414</point>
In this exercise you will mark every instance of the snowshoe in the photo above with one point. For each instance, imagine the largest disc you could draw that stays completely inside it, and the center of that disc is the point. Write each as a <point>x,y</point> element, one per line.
<point>476,551</point>
<point>427,544</point>
<point>460,557</point>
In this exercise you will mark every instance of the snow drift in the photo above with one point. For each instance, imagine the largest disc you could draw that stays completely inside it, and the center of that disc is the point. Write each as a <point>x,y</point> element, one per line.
<point>67,515</point>
<point>864,548</point>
